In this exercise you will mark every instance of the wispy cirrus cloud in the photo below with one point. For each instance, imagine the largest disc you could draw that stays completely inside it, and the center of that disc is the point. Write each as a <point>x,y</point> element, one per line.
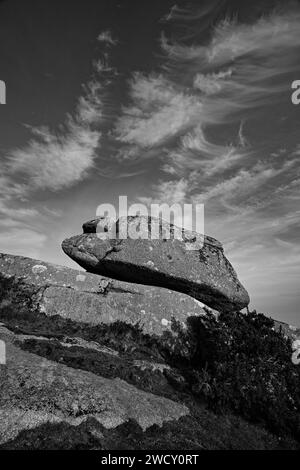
<point>168,192</point>
<point>107,38</point>
<point>22,241</point>
<point>230,79</point>
<point>57,159</point>
<point>160,111</point>
<point>53,159</point>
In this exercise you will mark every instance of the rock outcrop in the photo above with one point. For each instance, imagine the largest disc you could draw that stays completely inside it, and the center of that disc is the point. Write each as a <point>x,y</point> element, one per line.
<point>82,367</point>
<point>37,391</point>
<point>195,265</point>
<point>89,299</point>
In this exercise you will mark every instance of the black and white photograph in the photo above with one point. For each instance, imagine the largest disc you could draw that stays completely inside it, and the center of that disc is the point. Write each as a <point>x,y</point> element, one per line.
<point>149,228</point>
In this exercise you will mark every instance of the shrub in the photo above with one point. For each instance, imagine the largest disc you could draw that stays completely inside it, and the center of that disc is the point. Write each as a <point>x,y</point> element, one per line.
<point>240,363</point>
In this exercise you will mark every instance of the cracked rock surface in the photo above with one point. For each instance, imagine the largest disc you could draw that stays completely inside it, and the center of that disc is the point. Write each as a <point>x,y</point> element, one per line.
<point>91,299</point>
<point>195,265</point>
<point>37,390</point>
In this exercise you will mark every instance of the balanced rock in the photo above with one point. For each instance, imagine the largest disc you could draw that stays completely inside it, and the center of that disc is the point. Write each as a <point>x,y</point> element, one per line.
<point>183,261</point>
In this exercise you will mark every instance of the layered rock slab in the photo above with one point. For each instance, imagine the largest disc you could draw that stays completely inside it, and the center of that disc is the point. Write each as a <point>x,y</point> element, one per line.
<point>37,391</point>
<point>195,265</point>
<point>90,299</point>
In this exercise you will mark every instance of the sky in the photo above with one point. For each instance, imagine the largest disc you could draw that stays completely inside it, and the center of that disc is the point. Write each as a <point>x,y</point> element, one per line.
<point>161,102</point>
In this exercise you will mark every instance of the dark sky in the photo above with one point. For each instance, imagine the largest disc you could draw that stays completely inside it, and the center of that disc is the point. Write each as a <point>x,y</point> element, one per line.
<point>161,101</point>
<point>47,49</point>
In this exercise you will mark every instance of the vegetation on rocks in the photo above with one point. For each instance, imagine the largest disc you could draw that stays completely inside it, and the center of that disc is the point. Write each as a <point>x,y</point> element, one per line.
<point>234,374</point>
<point>242,364</point>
